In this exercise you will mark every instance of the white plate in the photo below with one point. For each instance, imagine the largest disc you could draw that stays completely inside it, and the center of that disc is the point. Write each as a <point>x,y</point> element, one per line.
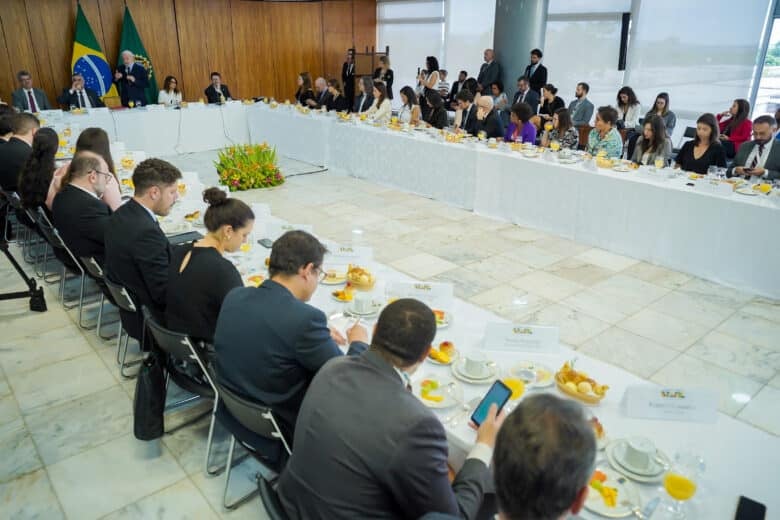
<point>453,359</point>
<point>175,228</point>
<point>334,281</point>
<point>453,395</point>
<point>447,321</point>
<point>373,311</point>
<point>627,495</point>
<point>457,371</point>
<point>568,161</point>
<point>530,155</point>
<point>609,452</point>
<point>536,369</point>
<point>337,300</point>
<point>622,169</point>
<point>750,192</point>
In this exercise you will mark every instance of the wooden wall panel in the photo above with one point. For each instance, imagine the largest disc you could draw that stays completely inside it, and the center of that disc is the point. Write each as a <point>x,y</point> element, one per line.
<point>259,47</point>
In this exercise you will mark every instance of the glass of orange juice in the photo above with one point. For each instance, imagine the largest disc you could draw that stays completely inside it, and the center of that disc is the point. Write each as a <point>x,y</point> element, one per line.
<point>660,163</point>
<point>555,146</point>
<point>682,480</point>
<point>548,126</point>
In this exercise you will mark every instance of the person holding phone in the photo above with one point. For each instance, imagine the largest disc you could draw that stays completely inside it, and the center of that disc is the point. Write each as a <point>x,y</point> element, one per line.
<point>759,157</point>
<point>365,446</point>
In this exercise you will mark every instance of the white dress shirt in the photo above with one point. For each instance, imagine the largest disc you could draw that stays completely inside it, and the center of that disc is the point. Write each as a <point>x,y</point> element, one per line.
<point>761,158</point>
<point>82,100</point>
<point>169,98</point>
<point>381,112</point>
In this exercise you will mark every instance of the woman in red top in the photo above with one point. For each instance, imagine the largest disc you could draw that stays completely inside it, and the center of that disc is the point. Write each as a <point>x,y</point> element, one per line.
<point>735,126</point>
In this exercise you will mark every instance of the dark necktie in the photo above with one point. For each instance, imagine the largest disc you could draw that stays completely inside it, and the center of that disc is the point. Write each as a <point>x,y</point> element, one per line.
<point>465,117</point>
<point>82,104</point>
<point>754,163</point>
<point>31,101</point>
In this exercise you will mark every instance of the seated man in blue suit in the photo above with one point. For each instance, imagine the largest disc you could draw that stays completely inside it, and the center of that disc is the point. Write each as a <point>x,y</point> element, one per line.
<point>269,342</point>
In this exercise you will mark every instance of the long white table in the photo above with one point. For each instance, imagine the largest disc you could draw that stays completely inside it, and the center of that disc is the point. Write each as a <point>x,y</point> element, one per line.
<point>732,239</point>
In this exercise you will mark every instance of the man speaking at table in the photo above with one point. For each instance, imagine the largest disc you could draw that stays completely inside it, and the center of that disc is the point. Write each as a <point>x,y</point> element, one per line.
<point>366,447</point>
<point>132,80</point>
<point>217,92</point>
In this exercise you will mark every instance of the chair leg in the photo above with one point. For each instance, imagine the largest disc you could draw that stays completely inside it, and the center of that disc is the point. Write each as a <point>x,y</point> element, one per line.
<point>123,364</point>
<point>100,320</point>
<point>119,335</point>
<point>228,469</point>
<point>82,303</point>
<point>210,443</point>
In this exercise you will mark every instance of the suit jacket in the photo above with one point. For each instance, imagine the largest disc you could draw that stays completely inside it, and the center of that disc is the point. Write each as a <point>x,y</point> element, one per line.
<point>491,125</point>
<point>453,92</point>
<point>270,345</point>
<point>488,73</point>
<point>322,98</point>
<point>581,112</point>
<point>538,79</point>
<point>348,80</point>
<point>20,101</point>
<point>365,447</point>
<point>340,104</point>
<point>132,91</point>
<point>772,164</point>
<point>67,99</point>
<point>468,119</point>
<point>531,97</point>
<point>81,220</point>
<point>369,100</point>
<point>137,255</point>
<point>13,156</point>
<point>386,78</point>
<point>212,96</point>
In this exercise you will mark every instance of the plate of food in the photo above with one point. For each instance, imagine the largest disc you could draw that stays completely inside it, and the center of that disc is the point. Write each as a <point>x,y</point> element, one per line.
<point>127,163</point>
<point>747,191</point>
<point>762,187</point>
<point>192,217</point>
<point>344,295</point>
<point>534,375</point>
<point>334,277</point>
<point>611,494</point>
<point>360,278</point>
<point>578,385</point>
<point>598,430</point>
<point>445,354</point>
<point>438,391</point>
<point>254,280</point>
<point>443,318</point>
<point>621,168</point>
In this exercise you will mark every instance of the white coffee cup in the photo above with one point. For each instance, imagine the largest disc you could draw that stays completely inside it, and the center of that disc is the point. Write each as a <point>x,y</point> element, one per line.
<point>475,365</point>
<point>639,453</point>
<point>362,302</point>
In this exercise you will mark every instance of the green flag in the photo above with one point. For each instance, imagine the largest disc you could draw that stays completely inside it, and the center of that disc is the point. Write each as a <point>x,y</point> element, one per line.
<point>131,41</point>
<point>89,60</point>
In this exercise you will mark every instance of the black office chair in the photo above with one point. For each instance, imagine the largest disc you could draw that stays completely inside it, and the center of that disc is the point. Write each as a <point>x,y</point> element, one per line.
<point>95,271</point>
<point>271,500</point>
<point>690,133</point>
<point>178,348</point>
<point>124,301</point>
<point>253,425</point>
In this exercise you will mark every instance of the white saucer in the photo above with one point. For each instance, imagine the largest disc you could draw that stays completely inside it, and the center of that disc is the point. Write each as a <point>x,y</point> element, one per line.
<point>457,371</point>
<point>568,161</point>
<point>619,452</point>
<point>334,281</point>
<point>750,192</point>
<point>647,479</point>
<point>375,307</point>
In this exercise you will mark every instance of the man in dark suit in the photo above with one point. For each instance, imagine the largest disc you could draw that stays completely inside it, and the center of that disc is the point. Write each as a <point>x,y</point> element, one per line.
<point>524,94</point>
<point>761,156</point>
<point>366,447</point>
<point>78,95</point>
<point>137,251</point>
<point>536,72</point>
<point>489,72</point>
<point>323,96</point>
<point>132,80</point>
<point>79,214</point>
<point>15,152</point>
<point>457,86</point>
<point>217,92</point>
<point>28,98</point>
<point>366,98</point>
<point>468,116</point>
<point>348,77</point>
<point>269,342</point>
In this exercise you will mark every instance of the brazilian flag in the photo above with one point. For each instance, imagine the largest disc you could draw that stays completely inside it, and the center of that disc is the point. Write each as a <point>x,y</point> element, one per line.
<point>89,60</point>
<point>131,41</point>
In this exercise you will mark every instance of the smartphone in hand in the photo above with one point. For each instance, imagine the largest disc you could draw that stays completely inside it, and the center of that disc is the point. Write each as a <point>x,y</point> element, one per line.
<point>498,394</point>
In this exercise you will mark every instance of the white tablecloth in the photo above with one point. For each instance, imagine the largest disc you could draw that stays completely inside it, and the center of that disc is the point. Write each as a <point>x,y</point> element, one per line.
<point>301,137</point>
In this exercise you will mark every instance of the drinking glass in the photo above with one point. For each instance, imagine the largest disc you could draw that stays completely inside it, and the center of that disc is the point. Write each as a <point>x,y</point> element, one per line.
<point>131,104</point>
<point>712,172</point>
<point>660,163</point>
<point>682,481</point>
<point>548,126</point>
<point>555,146</point>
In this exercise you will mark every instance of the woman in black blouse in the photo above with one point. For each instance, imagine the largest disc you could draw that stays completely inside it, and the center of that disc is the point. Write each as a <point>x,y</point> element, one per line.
<point>305,91</point>
<point>199,277</point>
<point>384,74</point>
<point>704,150</point>
<point>437,116</point>
<point>550,103</point>
<point>336,101</point>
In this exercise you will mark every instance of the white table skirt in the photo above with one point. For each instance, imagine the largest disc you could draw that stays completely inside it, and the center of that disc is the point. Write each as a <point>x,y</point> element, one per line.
<point>301,137</point>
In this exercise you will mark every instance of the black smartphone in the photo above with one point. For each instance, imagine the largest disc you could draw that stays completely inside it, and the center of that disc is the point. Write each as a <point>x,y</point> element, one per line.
<point>498,394</point>
<point>748,509</point>
<point>266,243</point>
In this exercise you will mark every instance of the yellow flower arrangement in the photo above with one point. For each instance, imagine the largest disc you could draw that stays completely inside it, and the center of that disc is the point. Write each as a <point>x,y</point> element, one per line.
<point>249,166</point>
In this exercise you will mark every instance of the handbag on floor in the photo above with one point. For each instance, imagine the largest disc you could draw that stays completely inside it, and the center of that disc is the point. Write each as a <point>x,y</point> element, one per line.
<point>149,401</point>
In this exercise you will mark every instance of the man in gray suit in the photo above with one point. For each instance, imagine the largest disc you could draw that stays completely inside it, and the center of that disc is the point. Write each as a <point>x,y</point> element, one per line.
<point>761,156</point>
<point>366,447</point>
<point>489,72</point>
<point>28,98</point>
<point>581,109</point>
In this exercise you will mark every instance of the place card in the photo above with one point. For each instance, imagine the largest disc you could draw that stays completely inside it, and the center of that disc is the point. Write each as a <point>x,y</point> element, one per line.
<point>98,110</point>
<point>155,108</point>
<point>275,229</point>
<point>723,189</point>
<point>521,338</point>
<point>436,295</point>
<point>671,404</point>
<point>348,254</point>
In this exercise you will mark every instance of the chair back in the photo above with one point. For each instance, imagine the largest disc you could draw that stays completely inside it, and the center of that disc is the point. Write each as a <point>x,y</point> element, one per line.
<point>690,132</point>
<point>271,502</point>
<point>121,296</point>
<point>13,199</point>
<point>176,344</point>
<point>92,267</point>
<point>252,415</point>
<point>584,133</point>
<point>52,236</point>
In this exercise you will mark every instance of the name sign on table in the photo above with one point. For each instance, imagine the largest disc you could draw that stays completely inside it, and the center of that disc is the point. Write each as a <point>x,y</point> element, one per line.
<point>155,108</point>
<point>434,294</point>
<point>98,110</point>
<point>274,230</point>
<point>521,338</point>
<point>348,254</point>
<point>672,404</point>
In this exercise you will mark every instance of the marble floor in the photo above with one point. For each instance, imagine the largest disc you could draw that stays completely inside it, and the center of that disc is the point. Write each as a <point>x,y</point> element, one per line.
<point>66,415</point>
